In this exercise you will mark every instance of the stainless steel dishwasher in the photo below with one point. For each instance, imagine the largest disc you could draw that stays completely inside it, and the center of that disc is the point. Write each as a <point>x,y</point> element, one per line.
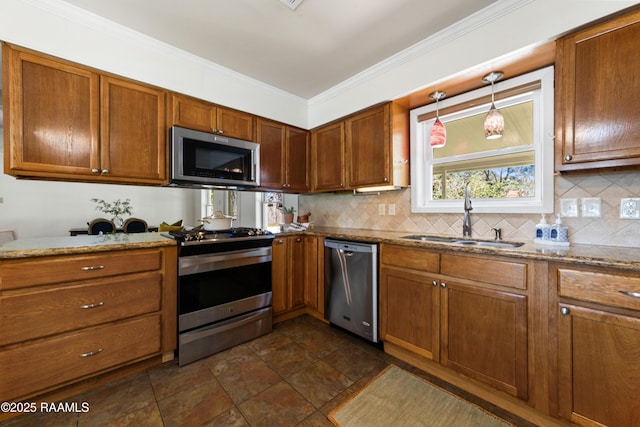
<point>351,286</point>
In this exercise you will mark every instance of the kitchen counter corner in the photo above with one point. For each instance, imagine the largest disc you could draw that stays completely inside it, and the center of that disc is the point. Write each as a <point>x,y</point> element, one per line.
<point>64,245</point>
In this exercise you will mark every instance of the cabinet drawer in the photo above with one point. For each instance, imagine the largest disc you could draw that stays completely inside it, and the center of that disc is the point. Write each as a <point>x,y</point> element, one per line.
<point>413,258</point>
<point>51,270</point>
<point>610,289</point>
<point>39,314</point>
<point>487,270</point>
<point>31,368</point>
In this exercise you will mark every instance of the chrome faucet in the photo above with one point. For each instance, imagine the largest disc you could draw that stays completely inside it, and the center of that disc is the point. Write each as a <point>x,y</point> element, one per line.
<point>466,223</point>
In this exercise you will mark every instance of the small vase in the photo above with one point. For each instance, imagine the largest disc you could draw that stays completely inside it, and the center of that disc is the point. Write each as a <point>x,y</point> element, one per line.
<point>118,221</point>
<point>288,218</point>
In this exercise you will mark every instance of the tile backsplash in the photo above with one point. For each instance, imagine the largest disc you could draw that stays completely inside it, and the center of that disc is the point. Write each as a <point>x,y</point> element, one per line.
<point>346,210</point>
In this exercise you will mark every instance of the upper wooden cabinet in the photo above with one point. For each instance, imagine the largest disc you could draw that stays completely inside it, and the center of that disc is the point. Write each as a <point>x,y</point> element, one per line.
<point>328,158</point>
<point>196,114</point>
<point>366,149</point>
<point>598,96</point>
<point>284,156</point>
<point>65,121</point>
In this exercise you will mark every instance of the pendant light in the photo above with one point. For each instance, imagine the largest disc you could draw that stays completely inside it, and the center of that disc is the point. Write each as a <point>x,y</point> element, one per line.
<point>494,122</point>
<point>438,135</point>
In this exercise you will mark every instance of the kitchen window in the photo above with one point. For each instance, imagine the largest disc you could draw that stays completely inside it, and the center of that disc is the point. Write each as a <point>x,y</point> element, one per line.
<point>512,174</point>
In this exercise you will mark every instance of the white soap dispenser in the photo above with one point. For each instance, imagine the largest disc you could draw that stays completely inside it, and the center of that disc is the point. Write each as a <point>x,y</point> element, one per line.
<point>543,229</point>
<point>559,232</point>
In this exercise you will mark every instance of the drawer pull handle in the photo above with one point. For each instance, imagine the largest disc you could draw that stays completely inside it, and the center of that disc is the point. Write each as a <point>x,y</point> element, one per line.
<point>92,267</point>
<point>631,294</point>
<point>91,353</point>
<point>98,304</point>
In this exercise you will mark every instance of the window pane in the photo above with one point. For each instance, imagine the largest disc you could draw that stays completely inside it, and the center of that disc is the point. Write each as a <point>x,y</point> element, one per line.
<point>498,183</point>
<point>466,135</point>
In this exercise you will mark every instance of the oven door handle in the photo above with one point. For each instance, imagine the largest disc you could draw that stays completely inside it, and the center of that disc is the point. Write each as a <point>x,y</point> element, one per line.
<point>220,261</point>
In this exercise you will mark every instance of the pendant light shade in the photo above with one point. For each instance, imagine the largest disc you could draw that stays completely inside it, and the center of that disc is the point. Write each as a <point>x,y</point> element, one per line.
<point>438,136</point>
<point>494,122</point>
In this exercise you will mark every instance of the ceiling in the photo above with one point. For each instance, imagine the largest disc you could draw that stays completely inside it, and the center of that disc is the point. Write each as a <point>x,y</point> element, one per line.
<point>305,51</point>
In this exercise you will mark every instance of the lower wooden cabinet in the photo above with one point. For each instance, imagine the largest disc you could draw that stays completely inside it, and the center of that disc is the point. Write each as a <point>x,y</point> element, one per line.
<point>598,346</point>
<point>410,315</point>
<point>475,325</point>
<point>68,318</point>
<point>484,335</point>
<point>287,273</point>
<point>295,269</point>
<point>41,365</point>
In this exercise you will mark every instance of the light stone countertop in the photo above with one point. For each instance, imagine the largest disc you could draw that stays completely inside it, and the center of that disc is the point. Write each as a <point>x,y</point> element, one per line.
<point>593,255</point>
<point>65,245</point>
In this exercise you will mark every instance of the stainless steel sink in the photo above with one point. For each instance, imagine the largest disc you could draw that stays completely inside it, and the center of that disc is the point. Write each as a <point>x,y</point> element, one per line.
<point>458,241</point>
<point>491,243</point>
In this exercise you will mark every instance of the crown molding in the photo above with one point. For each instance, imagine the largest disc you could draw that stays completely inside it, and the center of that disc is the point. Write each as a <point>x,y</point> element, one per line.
<point>455,31</point>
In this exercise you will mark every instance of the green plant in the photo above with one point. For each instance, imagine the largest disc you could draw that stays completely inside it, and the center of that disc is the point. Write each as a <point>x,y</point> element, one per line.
<point>288,210</point>
<point>115,209</point>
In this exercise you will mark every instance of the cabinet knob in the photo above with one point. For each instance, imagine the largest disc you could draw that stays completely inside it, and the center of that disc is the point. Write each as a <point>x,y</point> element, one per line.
<point>279,241</point>
<point>565,311</point>
<point>443,285</point>
<point>94,170</point>
<point>298,240</point>
<point>104,171</point>
<point>434,283</point>
<point>220,131</point>
<point>568,158</point>
<point>386,179</point>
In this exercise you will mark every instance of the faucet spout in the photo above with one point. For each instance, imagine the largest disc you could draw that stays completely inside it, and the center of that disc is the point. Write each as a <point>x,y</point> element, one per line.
<point>466,223</point>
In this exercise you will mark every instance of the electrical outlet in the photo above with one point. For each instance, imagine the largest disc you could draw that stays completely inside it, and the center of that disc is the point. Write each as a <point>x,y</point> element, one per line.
<point>392,208</point>
<point>630,208</point>
<point>381,209</point>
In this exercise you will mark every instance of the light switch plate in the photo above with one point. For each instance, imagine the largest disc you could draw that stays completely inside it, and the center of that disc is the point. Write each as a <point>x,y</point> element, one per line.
<point>569,207</point>
<point>591,207</point>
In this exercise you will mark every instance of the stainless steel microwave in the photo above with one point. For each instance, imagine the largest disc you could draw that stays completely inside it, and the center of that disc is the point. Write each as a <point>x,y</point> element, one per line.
<point>201,159</point>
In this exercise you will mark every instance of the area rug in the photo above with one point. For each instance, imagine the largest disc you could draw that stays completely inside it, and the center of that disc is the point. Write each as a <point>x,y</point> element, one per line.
<point>398,398</point>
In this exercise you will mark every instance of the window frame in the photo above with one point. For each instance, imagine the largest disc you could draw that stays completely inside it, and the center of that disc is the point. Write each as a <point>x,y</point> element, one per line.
<point>543,147</point>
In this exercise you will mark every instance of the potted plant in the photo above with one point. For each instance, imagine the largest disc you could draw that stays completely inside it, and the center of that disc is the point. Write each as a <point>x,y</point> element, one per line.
<point>288,212</point>
<point>116,209</point>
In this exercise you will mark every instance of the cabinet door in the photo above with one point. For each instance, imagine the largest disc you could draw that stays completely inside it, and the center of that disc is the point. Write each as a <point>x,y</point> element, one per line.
<point>599,367</point>
<point>52,116</point>
<point>297,272</point>
<point>279,275</point>
<point>133,141</point>
<point>484,335</point>
<point>409,311</point>
<point>328,158</point>
<point>599,96</point>
<point>368,147</point>
<point>192,113</point>
<point>271,137</point>
<point>234,123</point>
<point>297,159</point>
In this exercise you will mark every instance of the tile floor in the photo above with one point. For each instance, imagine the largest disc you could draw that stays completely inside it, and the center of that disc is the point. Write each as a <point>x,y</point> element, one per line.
<point>293,376</point>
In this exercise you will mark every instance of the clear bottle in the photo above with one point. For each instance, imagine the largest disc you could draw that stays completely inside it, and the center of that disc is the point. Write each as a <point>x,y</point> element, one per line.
<point>543,230</point>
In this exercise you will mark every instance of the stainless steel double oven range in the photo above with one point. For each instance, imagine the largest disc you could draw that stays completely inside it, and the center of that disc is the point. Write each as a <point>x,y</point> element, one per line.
<point>224,289</point>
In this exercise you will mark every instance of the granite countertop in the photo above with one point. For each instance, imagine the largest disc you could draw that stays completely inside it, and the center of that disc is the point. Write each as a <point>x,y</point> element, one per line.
<point>65,245</point>
<point>592,255</point>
